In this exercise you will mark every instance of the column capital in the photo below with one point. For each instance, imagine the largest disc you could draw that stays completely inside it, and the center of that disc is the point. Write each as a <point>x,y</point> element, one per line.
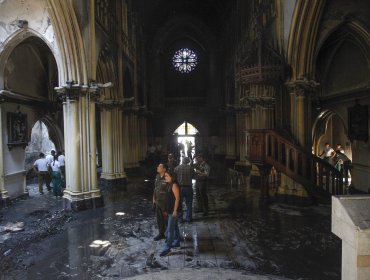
<point>95,90</point>
<point>94,94</point>
<point>302,87</point>
<point>69,91</point>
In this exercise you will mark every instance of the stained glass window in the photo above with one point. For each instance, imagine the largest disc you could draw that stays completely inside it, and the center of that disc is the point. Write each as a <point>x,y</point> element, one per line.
<point>184,60</point>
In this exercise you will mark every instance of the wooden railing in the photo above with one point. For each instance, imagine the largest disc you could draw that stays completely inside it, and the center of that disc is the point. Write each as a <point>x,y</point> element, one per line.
<point>315,174</point>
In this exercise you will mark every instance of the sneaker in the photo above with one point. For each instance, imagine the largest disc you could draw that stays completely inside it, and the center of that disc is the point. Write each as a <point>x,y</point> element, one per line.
<point>159,237</point>
<point>41,193</point>
<point>165,252</point>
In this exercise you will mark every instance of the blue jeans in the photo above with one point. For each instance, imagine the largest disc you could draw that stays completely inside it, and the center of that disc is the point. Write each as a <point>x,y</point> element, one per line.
<point>172,232</point>
<point>187,193</point>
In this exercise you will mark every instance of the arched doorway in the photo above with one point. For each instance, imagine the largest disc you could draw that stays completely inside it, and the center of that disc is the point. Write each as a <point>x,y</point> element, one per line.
<point>28,76</point>
<point>329,128</point>
<point>342,70</point>
<point>40,142</point>
<point>186,139</point>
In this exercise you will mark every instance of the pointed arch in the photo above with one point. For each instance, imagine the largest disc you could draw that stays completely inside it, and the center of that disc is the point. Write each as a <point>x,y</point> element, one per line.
<point>69,39</point>
<point>330,127</point>
<point>14,40</point>
<point>55,133</point>
<point>186,128</point>
<point>352,30</point>
<point>303,38</point>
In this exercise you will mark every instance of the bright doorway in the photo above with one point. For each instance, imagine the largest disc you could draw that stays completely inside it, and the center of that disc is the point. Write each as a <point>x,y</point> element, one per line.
<point>186,139</point>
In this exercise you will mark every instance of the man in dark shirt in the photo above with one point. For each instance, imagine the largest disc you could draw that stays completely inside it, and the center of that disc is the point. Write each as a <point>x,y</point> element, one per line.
<point>159,201</point>
<point>184,175</point>
<point>171,163</point>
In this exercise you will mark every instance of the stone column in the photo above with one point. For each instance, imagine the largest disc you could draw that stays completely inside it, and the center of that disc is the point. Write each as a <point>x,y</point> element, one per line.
<point>230,137</point>
<point>135,132</point>
<point>80,148</point>
<point>131,141</point>
<point>143,138</point>
<point>119,163</point>
<point>131,144</point>
<point>126,140</point>
<point>72,150</point>
<point>107,143</point>
<point>240,134</point>
<point>301,92</point>
<point>113,173</point>
<point>94,191</point>
<point>4,198</point>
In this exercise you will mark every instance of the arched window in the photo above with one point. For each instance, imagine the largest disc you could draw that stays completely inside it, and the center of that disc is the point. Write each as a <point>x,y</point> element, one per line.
<point>186,129</point>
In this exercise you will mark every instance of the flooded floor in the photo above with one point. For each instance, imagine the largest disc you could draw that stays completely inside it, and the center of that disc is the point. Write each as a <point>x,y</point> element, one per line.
<point>39,240</point>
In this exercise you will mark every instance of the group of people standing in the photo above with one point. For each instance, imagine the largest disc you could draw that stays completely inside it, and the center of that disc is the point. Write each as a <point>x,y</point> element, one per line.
<point>51,169</point>
<point>173,185</point>
<point>337,158</point>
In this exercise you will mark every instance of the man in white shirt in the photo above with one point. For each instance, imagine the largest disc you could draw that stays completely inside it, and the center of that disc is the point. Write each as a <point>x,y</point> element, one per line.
<point>328,153</point>
<point>41,169</point>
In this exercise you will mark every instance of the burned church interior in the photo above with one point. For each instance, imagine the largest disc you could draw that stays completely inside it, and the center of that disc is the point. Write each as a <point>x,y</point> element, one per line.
<point>247,119</point>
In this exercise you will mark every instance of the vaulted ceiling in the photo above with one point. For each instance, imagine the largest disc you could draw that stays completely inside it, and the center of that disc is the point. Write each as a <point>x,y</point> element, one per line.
<point>153,14</point>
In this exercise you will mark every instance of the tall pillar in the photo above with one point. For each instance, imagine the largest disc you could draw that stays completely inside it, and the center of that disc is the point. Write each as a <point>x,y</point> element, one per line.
<point>93,190</point>
<point>107,143</point>
<point>230,137</point>
<point>143,138</point>
<point>113,173</point>
<point>126,140</point>
<point>135,130</point>
<point>119,162</point>
<point>4,197</point>
<point>301,92</point>
<point>81,191</point>
<point>131,141</point>
<point>131,145</point>
<point>240,134</point>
